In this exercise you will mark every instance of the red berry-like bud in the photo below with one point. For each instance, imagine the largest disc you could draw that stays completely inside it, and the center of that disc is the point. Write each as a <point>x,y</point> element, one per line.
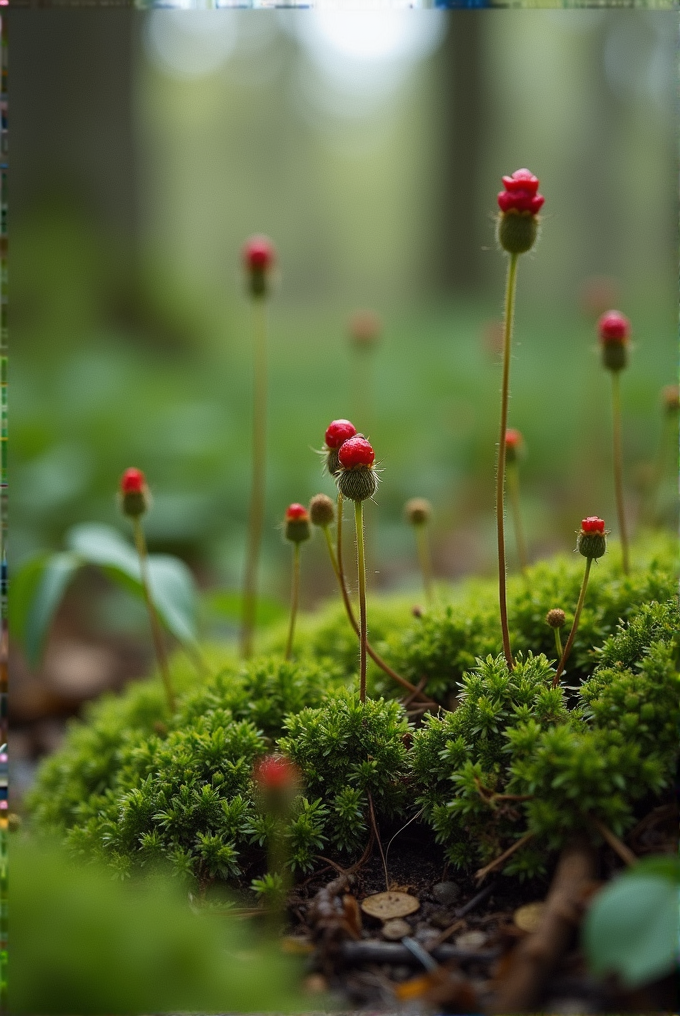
<point>364,329</point>
<point>296,511</point>
<point>356,453</point>
<point>134,496</point>
<point>514,444</point>
<point>520,194</point>
<point>258,254</point>
<point>592,540</point>
<point>592,524</point>
<point>297,528</point>
<point>614,332</point>
<point>338,432</point>
<point>613,327</point>
<point>132,481</point>
<point>258,258</point>
<point>276,773</point>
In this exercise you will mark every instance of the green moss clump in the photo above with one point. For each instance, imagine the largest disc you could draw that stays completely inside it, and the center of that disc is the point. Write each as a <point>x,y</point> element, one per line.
<point>553,770</point>
<point>445,642</point>
<point>461,759</point>
<point>347,751</point>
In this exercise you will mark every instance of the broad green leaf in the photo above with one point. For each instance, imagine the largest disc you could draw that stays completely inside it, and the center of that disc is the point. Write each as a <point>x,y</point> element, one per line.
<point>103,545</point>
<point>38,590</point>
<point>172,584</point>
<point>174,593</point>
<point>631,929</point>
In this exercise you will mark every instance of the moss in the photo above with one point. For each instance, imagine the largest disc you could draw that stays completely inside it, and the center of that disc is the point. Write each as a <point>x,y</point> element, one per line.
<point>131,783</point>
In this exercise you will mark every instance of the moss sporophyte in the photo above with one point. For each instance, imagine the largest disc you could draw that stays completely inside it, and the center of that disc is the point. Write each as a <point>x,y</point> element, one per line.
<point>418,512</point>
<point>258,257</point>
<point>591,543</point>
<point>357,481</point>
<point>614,334</point>
<point>517,228</point>
<point>135,500</point>
<point>297,531</point>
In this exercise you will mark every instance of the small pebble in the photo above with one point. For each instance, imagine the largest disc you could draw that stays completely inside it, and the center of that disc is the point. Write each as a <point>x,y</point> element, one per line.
<point>446,893</point>
<point>426,935</point>
<point>395,929</point>
<point>471,940</point>
<point>442,918</point>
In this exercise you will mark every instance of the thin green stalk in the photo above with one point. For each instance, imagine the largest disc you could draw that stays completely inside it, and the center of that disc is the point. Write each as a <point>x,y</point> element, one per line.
<point>513,490</point>
<point>425,559</point>
<point>156,632</point>
<point>577,617</point>
<point>500,475</point>
<point>294,596</point>
<point>338,538</point>
<point>256,516</point>
<point>558,643</point>
<point>361,563</point>
<point>353,621</point>
<point>618,468</point>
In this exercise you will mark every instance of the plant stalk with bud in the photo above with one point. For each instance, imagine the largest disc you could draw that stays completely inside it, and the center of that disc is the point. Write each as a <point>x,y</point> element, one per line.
<point>337,432</point>
<point>591,543</point>
<point>258,259</point>
<point>357,481</point>
<point>322,514</point>
<point>297,530</point>
<point>277,782</point>
<point>365,329</point>
<point>418,512</point>
<point>134,502</point>
<point>514,445</point>
<point>670,397</point>
<point>614,333</point>
<point>556,619</point>
<point>519,205</point>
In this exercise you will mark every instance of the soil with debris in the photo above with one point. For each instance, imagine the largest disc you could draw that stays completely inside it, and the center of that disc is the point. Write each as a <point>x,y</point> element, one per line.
<point>465,947</point>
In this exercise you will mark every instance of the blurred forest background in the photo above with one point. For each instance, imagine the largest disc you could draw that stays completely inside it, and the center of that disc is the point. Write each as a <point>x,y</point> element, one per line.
<point>146,146</point>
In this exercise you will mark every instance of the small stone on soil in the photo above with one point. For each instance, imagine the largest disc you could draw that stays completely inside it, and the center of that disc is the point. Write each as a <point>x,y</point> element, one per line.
<point>446,893</point>
<point>471,940</point>
<point>529,916</point>
<point>395,929</point>
<point>389,904</point>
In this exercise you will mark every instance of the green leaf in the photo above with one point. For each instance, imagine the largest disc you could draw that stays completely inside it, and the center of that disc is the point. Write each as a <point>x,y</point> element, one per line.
<point>174,593</point>
<point>172,584</point>
<point>103,545</point>
<point>37,591</point>
<point>631,928</point>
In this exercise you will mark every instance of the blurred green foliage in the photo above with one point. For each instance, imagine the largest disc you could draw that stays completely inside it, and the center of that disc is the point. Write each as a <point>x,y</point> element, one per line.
<point>82,943</point>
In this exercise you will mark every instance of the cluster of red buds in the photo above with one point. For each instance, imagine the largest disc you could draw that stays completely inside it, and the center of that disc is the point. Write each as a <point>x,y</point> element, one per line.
<point>351,460</point>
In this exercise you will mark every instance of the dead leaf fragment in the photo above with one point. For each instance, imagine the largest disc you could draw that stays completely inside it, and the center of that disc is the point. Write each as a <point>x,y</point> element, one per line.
<point>529,916</point>
<point>395,929</point>
<point>389,904</point>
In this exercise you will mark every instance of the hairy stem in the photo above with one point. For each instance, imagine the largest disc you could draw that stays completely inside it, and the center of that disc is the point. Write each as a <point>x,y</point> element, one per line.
<point>156,631</point>
<point>618,468</point>
<point>425,559</point>
<point>510,287</point>
<point>577,617</point>
<point>361,566</point>
<point>377,659</point>
<point>513,490</point>
<point>256,516</point>
<point>294,596</point>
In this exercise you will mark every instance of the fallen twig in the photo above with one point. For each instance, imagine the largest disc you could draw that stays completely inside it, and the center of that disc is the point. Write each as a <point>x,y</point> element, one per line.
<point>395,952</point>
<point>624,852</point>
<point>496,863</point>
<point>536,956</point>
